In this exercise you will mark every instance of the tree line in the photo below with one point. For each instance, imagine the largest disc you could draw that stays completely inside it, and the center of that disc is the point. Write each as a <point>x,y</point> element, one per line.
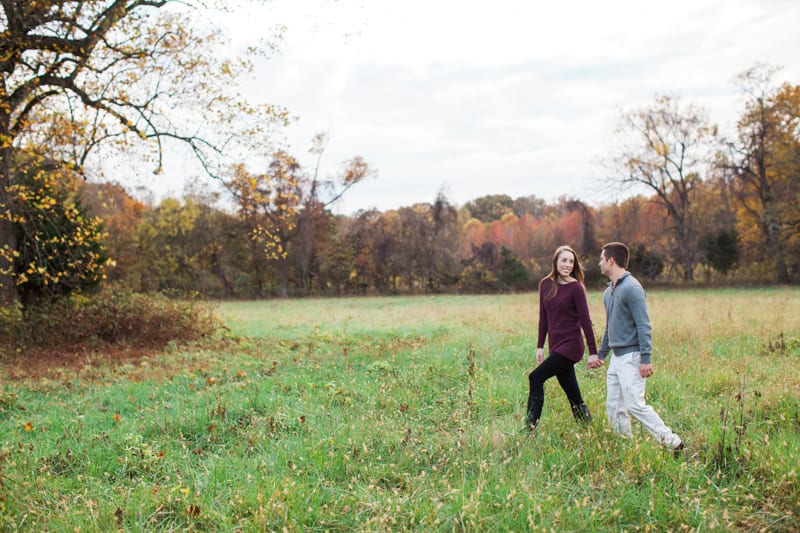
<point>718,211</point>
<point>85,79</point>
<point>710,210</point>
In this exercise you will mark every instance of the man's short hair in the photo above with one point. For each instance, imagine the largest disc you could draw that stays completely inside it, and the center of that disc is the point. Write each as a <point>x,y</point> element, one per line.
<point>618,251</point>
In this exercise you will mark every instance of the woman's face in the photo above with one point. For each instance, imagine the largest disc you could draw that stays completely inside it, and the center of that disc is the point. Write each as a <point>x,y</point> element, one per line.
<point>565,263</point>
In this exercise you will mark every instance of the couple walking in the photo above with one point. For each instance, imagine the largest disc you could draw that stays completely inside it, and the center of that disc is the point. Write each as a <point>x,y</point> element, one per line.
<point>564,312</point>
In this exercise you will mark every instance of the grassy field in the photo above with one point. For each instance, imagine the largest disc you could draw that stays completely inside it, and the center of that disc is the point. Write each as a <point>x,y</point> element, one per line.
<point>405,413</point>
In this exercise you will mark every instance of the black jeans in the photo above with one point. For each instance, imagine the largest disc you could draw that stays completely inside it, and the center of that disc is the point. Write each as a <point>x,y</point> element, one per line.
<point>562,368</point>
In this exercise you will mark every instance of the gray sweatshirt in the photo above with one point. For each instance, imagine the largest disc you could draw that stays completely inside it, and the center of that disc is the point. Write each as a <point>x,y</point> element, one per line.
<point>627,323</point>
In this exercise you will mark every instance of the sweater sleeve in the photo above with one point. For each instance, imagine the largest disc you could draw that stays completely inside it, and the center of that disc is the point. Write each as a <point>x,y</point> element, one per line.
<point>542,316</point>
<point>637,303</point>
<point>582,306</point>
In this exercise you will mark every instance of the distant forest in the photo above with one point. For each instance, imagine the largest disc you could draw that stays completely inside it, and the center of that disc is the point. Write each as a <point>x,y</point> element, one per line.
<point>698,209</point>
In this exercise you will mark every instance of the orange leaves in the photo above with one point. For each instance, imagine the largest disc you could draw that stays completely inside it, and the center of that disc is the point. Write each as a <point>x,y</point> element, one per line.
<point>355,171</point>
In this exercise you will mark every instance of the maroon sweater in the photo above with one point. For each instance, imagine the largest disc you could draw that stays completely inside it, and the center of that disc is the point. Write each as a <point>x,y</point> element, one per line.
<point>561,319</point>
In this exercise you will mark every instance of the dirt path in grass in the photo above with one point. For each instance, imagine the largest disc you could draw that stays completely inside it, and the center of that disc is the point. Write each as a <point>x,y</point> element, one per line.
<point>56,364</point>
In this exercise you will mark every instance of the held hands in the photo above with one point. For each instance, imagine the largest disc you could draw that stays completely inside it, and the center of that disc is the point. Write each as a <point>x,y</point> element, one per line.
<point>539,355</point>
<point>594,362</point>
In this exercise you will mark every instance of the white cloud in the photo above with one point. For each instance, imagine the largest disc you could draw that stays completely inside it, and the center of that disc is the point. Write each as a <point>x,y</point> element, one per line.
<point>510,96</point>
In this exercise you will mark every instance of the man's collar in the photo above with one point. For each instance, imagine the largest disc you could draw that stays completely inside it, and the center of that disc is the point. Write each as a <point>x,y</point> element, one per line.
<point>624,275</point>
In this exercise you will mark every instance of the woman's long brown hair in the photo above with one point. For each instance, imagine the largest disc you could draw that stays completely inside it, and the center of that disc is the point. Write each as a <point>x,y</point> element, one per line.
<point>577,271</point>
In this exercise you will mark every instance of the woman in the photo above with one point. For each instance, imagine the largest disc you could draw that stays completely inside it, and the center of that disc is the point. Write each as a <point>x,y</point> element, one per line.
<point>563,313</point>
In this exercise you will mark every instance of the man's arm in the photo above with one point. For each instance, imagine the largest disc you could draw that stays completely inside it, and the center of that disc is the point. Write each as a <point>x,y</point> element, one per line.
<point>596,360</point>
<point>637,303</point>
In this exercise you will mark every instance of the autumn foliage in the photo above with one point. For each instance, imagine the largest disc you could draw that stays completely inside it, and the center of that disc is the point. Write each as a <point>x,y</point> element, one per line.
<point>87,79</point>
<point>60,246</point>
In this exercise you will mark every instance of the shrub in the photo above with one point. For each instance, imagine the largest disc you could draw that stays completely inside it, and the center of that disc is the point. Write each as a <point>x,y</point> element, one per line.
<point>646,262</point>
<point>513,273</point>
<point>109,318</point>
<point>721,249</point>
<point>477,279</point>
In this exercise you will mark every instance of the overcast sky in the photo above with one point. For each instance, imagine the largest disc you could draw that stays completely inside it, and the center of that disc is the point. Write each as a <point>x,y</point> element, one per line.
<point>517,97</point>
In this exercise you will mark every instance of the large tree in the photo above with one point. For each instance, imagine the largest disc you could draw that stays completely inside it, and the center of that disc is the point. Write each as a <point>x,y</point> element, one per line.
<point>765,165</point>
<point>314,219</point>
<point>667,151</point>
<point>428,237</point>
<point>379,256</point>
<point>82,74</point>
<point>285,203</point>
<point>490,207</point>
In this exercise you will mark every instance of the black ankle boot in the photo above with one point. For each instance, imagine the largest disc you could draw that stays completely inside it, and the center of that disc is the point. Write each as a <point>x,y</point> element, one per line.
<point>534,412</point>
<point>581,413</point>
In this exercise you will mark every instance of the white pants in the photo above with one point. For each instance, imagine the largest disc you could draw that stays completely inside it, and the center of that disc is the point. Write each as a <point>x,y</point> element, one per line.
<point>625,396</point>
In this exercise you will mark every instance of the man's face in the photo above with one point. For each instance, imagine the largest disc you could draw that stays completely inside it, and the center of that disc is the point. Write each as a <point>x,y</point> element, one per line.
<point>604,266</point>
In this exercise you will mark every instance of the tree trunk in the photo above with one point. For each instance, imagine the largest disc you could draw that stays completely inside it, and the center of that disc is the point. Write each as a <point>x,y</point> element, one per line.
<point>283,269</point>
<point>688,270</point>
<point>776,250</point>
<point>8,237</point>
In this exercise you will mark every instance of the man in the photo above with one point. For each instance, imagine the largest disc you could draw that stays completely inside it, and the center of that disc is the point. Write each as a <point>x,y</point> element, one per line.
<point>628,333</point>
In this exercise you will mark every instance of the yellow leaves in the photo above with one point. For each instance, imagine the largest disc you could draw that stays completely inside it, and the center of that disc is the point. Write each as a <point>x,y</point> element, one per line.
<point>662,150</point>
<point>269,202</point>
<point>60,244</point>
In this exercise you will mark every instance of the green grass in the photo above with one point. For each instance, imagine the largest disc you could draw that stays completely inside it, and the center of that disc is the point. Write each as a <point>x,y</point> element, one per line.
<point>404,414</point>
